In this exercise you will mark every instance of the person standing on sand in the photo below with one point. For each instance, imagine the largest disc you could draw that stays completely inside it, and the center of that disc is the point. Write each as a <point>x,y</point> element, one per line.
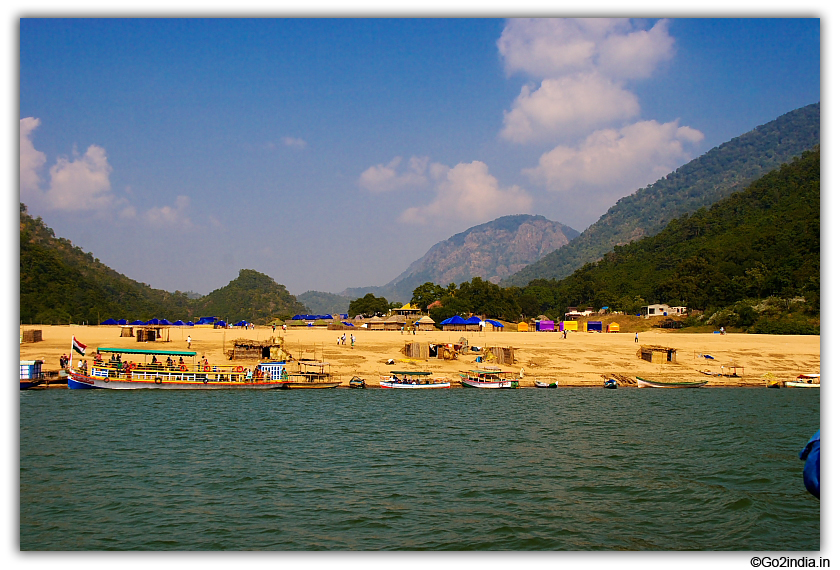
<point>637,337</point>
<point>352,340</point>
<point>189,341</point>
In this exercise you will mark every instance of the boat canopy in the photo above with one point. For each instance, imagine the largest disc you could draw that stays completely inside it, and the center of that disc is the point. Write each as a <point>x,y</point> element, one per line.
<point>146,351</point>
<point>411,373</point>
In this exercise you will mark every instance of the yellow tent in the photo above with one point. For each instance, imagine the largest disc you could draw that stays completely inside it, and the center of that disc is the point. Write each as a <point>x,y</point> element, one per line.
<point>523,327</point>
<point>613,327</point>
<point>570,325</point>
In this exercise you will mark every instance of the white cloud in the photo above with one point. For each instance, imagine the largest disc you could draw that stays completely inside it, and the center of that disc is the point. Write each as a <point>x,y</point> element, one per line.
<point>171,216</point>
<point>386,178</point>
<point>583,65</point>
<point>568,107</point>
<point>611,163</point>
<point>81,183</point>
<point>294,142</point>
<point>469,193</point>
<point>31,160</point>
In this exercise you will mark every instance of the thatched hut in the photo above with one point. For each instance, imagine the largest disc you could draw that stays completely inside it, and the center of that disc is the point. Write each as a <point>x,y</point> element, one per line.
<point>425,323</point>
<point>657,354</point>
<point>376,324</point>
<point>246,349</point>
<point>416,350</point>
<point>395,322</point>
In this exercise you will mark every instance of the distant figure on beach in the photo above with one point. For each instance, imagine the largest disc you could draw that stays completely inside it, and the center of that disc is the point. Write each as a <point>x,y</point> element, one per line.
<point>273,328</point>
<point>637,337</point>
<point>284,327</point>
<point>189,341</point>
<point>337,340</point>
<point>722,330</point>
<point>564,333</point>
<point>344,338</point>
<point>352,340</point>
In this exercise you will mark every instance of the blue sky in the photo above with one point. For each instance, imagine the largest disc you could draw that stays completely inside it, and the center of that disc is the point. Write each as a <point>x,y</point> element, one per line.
<point>331,153</point>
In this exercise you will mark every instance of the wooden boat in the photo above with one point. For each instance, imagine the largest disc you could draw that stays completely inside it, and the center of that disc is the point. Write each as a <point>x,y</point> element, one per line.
<point>412,380</point>
<point>642,383</point>
<point>356,382</point>
<point>129,375</point>
<point>310,374</point>
<point>805,381</point>
<point>489,377</point>
<point>538,384</point>
<point>611,383</point>
<point>30,373</point>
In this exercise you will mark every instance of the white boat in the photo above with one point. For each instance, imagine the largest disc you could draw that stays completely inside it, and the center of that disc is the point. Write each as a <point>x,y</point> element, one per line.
<point>642,383</point>
<point>489,377</point>
<point>411,380</point>
<point>805,381</point>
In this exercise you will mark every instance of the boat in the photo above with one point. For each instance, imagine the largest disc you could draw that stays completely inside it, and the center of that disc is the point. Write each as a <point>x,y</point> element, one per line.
<point>538,384</point>
<point>356,382</point>
<point>118,373</point>
<point>412,380</point>
<point>30,373</point>
<point>489,377</point>
<point>611,383</point>
<point>642,383</point>
<point>805,381</point>
<point>310,374</point>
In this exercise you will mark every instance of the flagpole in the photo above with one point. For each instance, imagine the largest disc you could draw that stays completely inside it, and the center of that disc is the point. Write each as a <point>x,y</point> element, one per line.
<point>70,364</point>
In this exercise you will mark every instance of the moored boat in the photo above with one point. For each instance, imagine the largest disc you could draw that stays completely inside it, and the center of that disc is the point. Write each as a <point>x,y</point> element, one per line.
<point>805,381</point>
<point>642,383</point>
<point>310,374</point>
<point>538,384</point>
<point>412,380</point>
<point>30,373</point>
<point>356,382</point>
<point>489,377</point>
<point>611,383</point>
<point>117,374</point>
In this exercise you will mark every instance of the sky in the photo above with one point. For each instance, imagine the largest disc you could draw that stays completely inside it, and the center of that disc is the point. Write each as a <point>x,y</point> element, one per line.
<point>332,153</point>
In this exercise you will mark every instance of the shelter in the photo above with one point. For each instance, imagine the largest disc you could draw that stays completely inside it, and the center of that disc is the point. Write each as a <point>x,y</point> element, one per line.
<point>109,322</point>
<point>657,354</point>
<point>32,336</point>
<point>151,334</point>
<point>395,322</point>
<point>425,323</point>
<point>594,326</point>
<point>613,327</point>
<point>496,325</point>
<point>455,323</point>
<point>499,355</point>
<point>522,327</point>
<point>545,326</point>
<point>126,331</point>
<point>407,310</point>
<point>376,324</point>
<point>570,326</point>
<point>416,350</point>
<point>473,324</point>
<point>251,349</point>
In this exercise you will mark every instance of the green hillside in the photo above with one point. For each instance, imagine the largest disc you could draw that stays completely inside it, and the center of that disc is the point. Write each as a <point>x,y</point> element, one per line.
<point>60,284</point>
<point>700,183</point>
<point>746,261</point>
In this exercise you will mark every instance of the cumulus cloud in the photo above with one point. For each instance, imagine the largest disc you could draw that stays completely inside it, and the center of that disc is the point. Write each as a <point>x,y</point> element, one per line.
<point>468,193</point>
<point>583,65</point>
<point>613,162</point>
<point>81,183</point>
<point>31,160</point>
<point>389,177</point>
<point>294,142</point>
<point>171,216</point>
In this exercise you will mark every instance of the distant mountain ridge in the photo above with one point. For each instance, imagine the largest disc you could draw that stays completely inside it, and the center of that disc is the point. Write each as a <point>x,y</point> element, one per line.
<point>492,251</point>
<point>701,182</point>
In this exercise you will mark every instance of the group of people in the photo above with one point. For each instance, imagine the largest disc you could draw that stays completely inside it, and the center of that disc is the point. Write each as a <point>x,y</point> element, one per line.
<point>343,339</point>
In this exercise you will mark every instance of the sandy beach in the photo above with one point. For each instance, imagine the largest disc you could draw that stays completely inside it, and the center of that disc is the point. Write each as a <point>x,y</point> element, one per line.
<point>578,360</point>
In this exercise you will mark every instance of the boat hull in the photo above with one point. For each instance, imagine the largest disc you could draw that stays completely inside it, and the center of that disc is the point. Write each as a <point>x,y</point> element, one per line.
<point>538,384</point>
<point>401,385</point>
<point>307,385</point>
<point>800,385</point>
<point>502,384</point>
<point>187,381</point>
<point>642,383</point>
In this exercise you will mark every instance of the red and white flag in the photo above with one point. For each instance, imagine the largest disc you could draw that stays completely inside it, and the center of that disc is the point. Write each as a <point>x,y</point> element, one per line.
<point>79,347</point>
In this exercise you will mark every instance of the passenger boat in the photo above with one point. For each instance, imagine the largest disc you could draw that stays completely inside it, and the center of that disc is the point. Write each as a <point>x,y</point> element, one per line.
<point>310,374</point>
<point>128,375</point>
<point>412,380</point>
<point>489,377</point>
<point>642,383</point>
<point>611,383</point>
<point>356,382</point>
<point>538,384</point>
<point>805,381</point>
<point>30,373</point>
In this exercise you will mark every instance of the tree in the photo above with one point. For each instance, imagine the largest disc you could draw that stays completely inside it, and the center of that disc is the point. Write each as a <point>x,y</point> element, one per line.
<point>368,306</point>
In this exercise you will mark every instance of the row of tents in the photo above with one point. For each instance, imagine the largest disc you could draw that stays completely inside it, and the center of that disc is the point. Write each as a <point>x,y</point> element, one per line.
<point>179,323</point>
<point>551,326</point>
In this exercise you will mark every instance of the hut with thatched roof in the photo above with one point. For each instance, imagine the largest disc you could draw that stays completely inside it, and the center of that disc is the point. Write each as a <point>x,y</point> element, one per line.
<point>657,354</point>
<point>424,323</point>
<point>376,324</point>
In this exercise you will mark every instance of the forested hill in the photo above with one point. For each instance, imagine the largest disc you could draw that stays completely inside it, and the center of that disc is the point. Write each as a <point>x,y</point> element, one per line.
<point>702,182</point>
<point>60,284</point>
<point>747,259</point>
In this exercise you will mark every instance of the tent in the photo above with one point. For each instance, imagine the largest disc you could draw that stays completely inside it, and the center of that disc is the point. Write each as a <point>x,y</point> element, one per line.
<point>179,323</point>
<point>109,322</point>
<point>152,322</point>
<point>613,327</point>
<point>522,327</point>
<point>164,322</point>
<point>545,326</point>
<point>455,323</point>
<point>570,325</point>
<point>122,322</point>
<point>241,324</point>
<point>495,324</point>
<point>138,322</point>
<point>594,326</point>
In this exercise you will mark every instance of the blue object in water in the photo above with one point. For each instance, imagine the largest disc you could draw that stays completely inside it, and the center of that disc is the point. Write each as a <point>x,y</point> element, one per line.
<point>810,454</point>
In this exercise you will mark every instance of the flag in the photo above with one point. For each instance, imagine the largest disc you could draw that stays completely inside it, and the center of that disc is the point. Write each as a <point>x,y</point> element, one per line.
<point>79,347</point>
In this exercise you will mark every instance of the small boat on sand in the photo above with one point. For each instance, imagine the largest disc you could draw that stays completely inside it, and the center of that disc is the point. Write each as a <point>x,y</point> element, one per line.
<point>356,382</point>
<point>412,380</point>
<point>538,384</point>
<point>642,383</point>
<point>489,377</point>
<point>611,383</point>
<point>805,381</point>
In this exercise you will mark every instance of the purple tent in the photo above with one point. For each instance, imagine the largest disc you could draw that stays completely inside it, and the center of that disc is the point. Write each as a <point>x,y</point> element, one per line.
<point>545,326</point>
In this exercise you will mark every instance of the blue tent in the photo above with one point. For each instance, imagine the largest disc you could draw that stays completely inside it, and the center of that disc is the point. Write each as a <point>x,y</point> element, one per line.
<point>312,318</point>
<point>206,321</point>
<point>496,324</point>
<point>190,324</point>
<point>138,322</point>
<point>164,322</point>
<point>122,322</point>
<point>473,320</point>
<point>456,320</point>
<point>108,322</point>
<point>346,323</point>
<point>179,323</point>
<point>241,324</point>
<point>153,322</point>
<point>220,324</point>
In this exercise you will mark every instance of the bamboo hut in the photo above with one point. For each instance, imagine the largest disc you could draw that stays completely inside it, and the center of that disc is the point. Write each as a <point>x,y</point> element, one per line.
<point>395,323</point>
<point>657,354</point>
<point>246,349</point>
<point>32,336</point>
<point>376,324</point>
<point>499,355</point>
<point>416,350</point>
<point>425,323</point>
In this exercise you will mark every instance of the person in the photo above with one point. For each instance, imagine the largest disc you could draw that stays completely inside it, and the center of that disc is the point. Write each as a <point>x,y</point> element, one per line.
<point>189,340</point>
<point>637,337</point>
<point>352,340</point>
<point>273,327</point>
<point>338,341</point>
<point>284,327</point>
<point>722,330</point>
<point>564,333</point>
<point>343,338</point>
<point>154,359</point>
<point>181,361</point>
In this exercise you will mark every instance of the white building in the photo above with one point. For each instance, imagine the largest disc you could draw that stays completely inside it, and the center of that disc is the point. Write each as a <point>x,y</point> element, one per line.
<point>663,310</point>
